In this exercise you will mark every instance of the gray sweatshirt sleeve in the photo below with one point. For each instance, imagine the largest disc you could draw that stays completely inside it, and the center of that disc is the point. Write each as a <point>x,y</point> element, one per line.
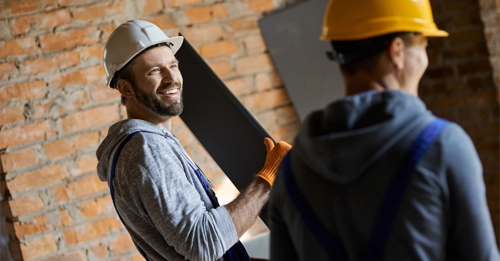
<point>171,197</point>
<point>471,234</point>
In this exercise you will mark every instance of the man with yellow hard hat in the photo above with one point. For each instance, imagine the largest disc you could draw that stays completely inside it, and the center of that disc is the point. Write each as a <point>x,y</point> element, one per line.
<point>376,176</point>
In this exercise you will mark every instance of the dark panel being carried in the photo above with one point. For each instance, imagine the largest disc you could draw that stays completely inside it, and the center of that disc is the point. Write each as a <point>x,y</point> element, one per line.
<point>226,129</point>
<point>292,38</point>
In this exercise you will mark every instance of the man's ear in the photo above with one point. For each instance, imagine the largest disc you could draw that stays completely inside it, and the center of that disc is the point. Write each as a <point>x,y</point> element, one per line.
<point>396,52</point>
<point>125,88</point>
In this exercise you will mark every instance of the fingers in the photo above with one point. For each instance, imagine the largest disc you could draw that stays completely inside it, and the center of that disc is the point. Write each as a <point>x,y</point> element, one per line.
<point>284,146</point>
<point>269,144</point>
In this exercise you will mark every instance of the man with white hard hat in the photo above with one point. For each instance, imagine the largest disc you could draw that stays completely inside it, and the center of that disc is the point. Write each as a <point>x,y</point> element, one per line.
<point>162,197</point>
<point>376,176</point>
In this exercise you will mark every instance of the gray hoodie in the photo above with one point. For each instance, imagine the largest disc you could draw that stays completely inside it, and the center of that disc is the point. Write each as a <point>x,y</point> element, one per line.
<point>159,197</point>
<point>343,160</point>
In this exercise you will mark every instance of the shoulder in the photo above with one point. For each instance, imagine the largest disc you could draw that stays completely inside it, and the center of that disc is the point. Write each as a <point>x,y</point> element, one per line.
<point>459,153</point>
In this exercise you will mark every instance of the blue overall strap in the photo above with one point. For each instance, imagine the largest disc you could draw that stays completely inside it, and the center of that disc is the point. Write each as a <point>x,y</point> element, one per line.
<point>329,243</point>
<point>394,196</point>
<point>112,176</point>
<point>390,205</point>
<point>237,252</point>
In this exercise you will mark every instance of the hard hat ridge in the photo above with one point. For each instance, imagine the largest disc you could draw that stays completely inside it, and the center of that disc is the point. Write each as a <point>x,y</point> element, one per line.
<point>128,40</point>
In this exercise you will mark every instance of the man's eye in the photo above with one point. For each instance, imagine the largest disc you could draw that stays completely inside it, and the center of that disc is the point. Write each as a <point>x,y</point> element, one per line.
<point>155,70</point>
<point>174,66</point>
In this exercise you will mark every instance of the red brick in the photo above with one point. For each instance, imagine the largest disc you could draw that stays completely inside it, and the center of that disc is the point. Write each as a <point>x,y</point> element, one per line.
<point>218,49</point>
<point>37,225</point>
<point>16,7</point>
<point>464,37</point>
<point>205,13</point>
<point>439,72</point>
<point>164,21</point>
<point>267,119</point>
<point>24,90</point>
<point>38,247</point>
<point>263,82</point>
<point>122,244</point>
<point>137,257</point>
<point>20,159</point>
<point>40,21</point>
<point>253,64</point>
<point>84,165</point>
<point>260,6</point>
<point>19,46</point>
<point>11,114</point>
<point>120,259</point>
<point>107,29</point>
<point>65,218</point>
<point>276,79</point>
<point>152,7</point>
<point>25,134</point>
<point>72,256</point>
<point>76,2</point>
<point>95,12</point>
<point>84,77</point>
<point>266,100</point>
<point>99,250</point>
<point>477,99</point>
<point>73,101</point>
<point>37,178</point>
<point>221,68</point>
<point>242,24</point>
<point>4,28</point>
<point>238,86</point>
<point>28,204</point>
<point>178,3</point>
<point>90,231</point>
<point>90,118</point>
<point>254,44</point>
<point>69,39</point>
<point>53,62</point>
<point>79,188</point>
<point>94,52</point>
<point>286,115</point>
<point>286,133</point>
<point>474,67</point>
<point>7,70</point>
<point>102,93</point>
<point>71,145</point>
<point>97,207</point>
<point>204,33</point>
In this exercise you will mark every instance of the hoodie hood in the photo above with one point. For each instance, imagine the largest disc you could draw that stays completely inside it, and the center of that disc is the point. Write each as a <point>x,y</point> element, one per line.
<point>342,141</point>
<point>116,133</point>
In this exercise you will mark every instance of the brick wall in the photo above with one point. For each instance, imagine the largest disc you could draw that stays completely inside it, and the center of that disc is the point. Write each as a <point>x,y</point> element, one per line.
<point>55,110</point>
<point>462,81</point>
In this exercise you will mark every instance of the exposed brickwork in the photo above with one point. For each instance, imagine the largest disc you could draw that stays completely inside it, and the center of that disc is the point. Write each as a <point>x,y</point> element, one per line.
<point>55,110</point>
<point>462,84</point>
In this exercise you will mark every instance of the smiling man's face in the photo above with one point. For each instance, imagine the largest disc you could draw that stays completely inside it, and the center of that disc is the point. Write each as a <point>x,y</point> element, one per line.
<point>158,81</point>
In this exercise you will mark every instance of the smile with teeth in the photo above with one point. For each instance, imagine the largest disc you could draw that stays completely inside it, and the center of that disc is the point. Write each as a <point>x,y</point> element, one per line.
<point>170,91</point>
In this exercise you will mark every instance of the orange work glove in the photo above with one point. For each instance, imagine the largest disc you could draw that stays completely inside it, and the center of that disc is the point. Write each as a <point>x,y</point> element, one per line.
<point>275,153</point>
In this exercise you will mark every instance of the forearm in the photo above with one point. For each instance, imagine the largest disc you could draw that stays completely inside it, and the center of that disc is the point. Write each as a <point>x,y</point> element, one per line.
<point>246,207</point>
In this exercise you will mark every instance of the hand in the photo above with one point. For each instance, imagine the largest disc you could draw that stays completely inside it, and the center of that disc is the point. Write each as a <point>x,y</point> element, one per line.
<point>275,153</point>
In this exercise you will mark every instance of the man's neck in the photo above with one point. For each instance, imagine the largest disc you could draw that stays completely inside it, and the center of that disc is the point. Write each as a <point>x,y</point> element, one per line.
<point>363,83</point>
<point>165,122</point>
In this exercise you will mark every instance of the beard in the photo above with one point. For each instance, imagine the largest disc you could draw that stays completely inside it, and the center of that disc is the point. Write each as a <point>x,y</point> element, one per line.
<point>156,105</point>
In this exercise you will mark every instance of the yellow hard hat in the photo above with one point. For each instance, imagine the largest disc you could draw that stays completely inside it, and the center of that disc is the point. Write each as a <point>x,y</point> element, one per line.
<point>361,19</point>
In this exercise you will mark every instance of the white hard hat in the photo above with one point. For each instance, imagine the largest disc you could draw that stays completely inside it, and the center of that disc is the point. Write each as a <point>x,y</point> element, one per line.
<point>128,40</point>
